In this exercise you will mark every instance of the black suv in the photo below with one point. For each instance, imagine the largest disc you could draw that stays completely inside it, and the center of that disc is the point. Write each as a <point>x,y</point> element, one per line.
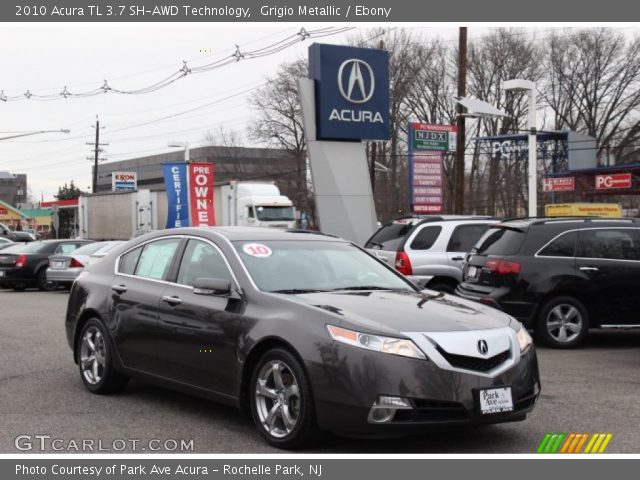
<point>559,276</point>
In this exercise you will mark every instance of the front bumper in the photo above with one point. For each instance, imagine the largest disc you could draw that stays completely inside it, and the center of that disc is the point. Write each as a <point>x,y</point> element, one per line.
<point>67,275</point>
<point>349,387</point>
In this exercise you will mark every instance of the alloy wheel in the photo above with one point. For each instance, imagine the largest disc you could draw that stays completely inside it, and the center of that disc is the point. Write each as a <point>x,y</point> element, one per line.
<point>93,351</point>
<point>277,396</point>
<point>564,323</point>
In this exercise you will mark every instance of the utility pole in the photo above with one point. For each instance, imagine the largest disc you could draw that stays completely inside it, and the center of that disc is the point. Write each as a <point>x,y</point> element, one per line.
<point>96,157</point>
<point>459,167</point>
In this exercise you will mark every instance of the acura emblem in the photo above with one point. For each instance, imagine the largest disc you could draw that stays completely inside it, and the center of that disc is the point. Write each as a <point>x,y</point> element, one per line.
<point>355,87</point>
<point>483,348</point>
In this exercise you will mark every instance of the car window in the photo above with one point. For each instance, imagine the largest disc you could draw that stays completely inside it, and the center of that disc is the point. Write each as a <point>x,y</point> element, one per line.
<point>562,246</point>
<point>390,236</point>
<point>201,260</point>
<point>426,237</point>
<point>614,244</point>
<point>128,261</point>
<point>464,237</point>
<point>156,257</point>
<point>500,241</point>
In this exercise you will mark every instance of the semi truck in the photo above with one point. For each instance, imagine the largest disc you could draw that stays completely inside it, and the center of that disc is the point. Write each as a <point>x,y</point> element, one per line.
<point>257,204</point>
<point>123,215</point>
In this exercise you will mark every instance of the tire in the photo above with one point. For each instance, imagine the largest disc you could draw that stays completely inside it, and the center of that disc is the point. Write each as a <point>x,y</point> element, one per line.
<point>98,376</point>
<point>43,283</point>
<point>563,322</point>
<point>293,423</point>
<point>442,287</point>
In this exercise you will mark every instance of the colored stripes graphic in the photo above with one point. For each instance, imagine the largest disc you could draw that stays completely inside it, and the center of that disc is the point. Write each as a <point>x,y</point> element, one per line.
<point>574,443</point>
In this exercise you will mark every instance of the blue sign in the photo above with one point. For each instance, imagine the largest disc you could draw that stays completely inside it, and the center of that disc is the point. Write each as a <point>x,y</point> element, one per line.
<point>352,92</point>
<point>175,180</point>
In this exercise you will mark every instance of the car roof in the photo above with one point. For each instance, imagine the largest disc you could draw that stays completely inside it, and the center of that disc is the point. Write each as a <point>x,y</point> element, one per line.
<point>250,233</point>
<point>532,221</point>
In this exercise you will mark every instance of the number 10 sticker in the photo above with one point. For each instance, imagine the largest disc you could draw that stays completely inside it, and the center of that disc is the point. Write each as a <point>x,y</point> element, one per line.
<point>257,250</point>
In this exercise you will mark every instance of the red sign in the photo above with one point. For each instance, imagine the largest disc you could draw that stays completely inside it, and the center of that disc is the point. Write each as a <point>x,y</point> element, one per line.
<point>426,182</point>
<point>613,181</point>
<point>201,195</point>
<point>559,184</point>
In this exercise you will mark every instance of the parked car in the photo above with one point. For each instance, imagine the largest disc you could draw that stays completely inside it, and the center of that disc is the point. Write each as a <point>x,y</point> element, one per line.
<point>559,276</point>
<point>305,331</point>
<point>14,236</point>
<point>429,250</point>
<point>64,268</point>
<point>25,265</point>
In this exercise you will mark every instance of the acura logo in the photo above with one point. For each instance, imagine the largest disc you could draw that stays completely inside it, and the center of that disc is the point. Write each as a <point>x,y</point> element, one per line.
<point>356,87</point>
<point>483,348</point>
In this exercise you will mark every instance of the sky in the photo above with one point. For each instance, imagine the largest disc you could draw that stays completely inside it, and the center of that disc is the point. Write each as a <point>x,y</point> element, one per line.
<point>45,59</point>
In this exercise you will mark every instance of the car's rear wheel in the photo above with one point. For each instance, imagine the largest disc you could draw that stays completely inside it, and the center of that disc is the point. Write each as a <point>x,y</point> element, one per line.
<point>94,360</point>
<point>282,404</point>
<point>43,283</point>
<point>563,322</point>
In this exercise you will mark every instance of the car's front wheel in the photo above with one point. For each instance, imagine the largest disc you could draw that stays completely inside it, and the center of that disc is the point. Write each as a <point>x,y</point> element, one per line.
<point>281,401</point>
<point>563,322</point>
<point>94,360</point>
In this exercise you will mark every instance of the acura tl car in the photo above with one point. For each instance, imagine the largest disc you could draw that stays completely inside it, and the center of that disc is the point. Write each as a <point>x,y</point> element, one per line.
<point>306,331</point>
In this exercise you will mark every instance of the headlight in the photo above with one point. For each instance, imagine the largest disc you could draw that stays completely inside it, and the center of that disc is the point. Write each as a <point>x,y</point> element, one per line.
<point>394,346</point>
<point>524,339</point>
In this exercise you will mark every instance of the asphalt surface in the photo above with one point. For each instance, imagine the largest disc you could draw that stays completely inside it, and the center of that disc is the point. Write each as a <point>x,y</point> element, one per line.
<point>593,389</point>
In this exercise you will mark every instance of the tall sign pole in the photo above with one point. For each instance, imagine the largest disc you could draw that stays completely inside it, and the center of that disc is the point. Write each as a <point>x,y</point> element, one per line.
<point>458,188</point>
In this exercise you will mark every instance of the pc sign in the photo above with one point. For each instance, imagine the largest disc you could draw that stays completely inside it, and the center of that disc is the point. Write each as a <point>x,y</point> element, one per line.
<point>433,138</point>
<point>351,92</point>
<point>124,181</point>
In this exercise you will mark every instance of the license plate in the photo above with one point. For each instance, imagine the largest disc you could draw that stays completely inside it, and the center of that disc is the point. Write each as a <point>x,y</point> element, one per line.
<point>495,400</point>
<point>58,264</point>
<point>1,273</point>
<point>473,272</point>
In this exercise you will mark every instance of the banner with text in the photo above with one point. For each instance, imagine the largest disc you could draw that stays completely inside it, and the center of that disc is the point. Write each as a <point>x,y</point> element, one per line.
<point>175,180</point>
<point>201,194</point>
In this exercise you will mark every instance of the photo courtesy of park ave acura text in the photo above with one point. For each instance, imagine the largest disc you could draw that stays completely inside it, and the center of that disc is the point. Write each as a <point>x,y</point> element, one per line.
<point>319,239</point>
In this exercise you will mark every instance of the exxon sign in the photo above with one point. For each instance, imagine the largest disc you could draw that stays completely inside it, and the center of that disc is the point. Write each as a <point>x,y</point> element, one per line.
<point>352,92</point>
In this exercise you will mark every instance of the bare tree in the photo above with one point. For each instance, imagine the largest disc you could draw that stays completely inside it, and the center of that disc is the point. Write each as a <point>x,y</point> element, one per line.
<point>594,86</point>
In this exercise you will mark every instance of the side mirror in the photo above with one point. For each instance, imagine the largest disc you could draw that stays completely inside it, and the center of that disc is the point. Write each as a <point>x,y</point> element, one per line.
<point>212,286</point>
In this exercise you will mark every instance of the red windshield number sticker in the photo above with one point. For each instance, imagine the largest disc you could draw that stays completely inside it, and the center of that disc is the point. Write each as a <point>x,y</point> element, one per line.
<point>257,250</point>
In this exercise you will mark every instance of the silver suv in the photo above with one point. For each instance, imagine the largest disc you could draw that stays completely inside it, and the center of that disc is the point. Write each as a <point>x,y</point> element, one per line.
<point>429,250</point>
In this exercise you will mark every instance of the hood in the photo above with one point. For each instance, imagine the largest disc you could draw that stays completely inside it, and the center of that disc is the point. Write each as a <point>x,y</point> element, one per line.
<point>392,312</point>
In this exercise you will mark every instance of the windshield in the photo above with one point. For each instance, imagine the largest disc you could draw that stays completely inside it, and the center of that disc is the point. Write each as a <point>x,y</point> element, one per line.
<point>88,249</point>
<point>297,267</point>
<point>500,241</point>
<point>391,235</point>
<point>266,213</point>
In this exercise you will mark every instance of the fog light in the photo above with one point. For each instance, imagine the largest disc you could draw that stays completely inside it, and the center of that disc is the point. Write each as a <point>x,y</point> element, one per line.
<point>384,408</point>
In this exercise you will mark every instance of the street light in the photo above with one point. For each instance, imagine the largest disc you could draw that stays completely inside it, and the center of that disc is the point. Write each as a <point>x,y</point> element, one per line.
<point>519,85</point>
<point>38,132</point>
<point>184,145</point>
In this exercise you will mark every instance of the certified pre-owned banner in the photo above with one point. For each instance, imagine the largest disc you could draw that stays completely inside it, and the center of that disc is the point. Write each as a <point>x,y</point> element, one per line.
<point>175,180</point>
<point>201,194</point>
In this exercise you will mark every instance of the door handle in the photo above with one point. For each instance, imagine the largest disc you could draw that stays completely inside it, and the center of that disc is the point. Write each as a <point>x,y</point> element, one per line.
<point>589,269</point>
<point>171,300</point>
<point>119,289</point>
<point>457,259</point>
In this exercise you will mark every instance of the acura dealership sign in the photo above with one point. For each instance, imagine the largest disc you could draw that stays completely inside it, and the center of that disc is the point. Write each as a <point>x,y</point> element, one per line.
<point>352,92</point>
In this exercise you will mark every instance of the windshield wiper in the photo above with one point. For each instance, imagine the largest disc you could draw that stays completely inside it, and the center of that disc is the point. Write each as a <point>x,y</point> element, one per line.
<point>294,291</point>
<point>362,287</point>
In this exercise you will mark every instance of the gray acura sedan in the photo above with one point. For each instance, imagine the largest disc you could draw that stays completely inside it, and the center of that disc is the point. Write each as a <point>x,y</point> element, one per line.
<point>305,331</point>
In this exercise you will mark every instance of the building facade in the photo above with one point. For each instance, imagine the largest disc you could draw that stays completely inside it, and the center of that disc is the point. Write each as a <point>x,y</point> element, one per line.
<point>13,188</point>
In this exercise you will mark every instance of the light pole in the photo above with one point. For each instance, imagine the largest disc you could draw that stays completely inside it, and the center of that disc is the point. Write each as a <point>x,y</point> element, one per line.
<point>184,145</point>
<point>519,86</point>
<point>38,132</point>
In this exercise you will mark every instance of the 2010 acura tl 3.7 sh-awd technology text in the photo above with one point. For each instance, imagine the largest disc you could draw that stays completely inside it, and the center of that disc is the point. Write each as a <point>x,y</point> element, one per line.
<point>307,331</point>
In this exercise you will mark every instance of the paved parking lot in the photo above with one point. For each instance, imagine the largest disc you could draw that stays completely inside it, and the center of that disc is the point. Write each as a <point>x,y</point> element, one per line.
<point>594,389</point>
